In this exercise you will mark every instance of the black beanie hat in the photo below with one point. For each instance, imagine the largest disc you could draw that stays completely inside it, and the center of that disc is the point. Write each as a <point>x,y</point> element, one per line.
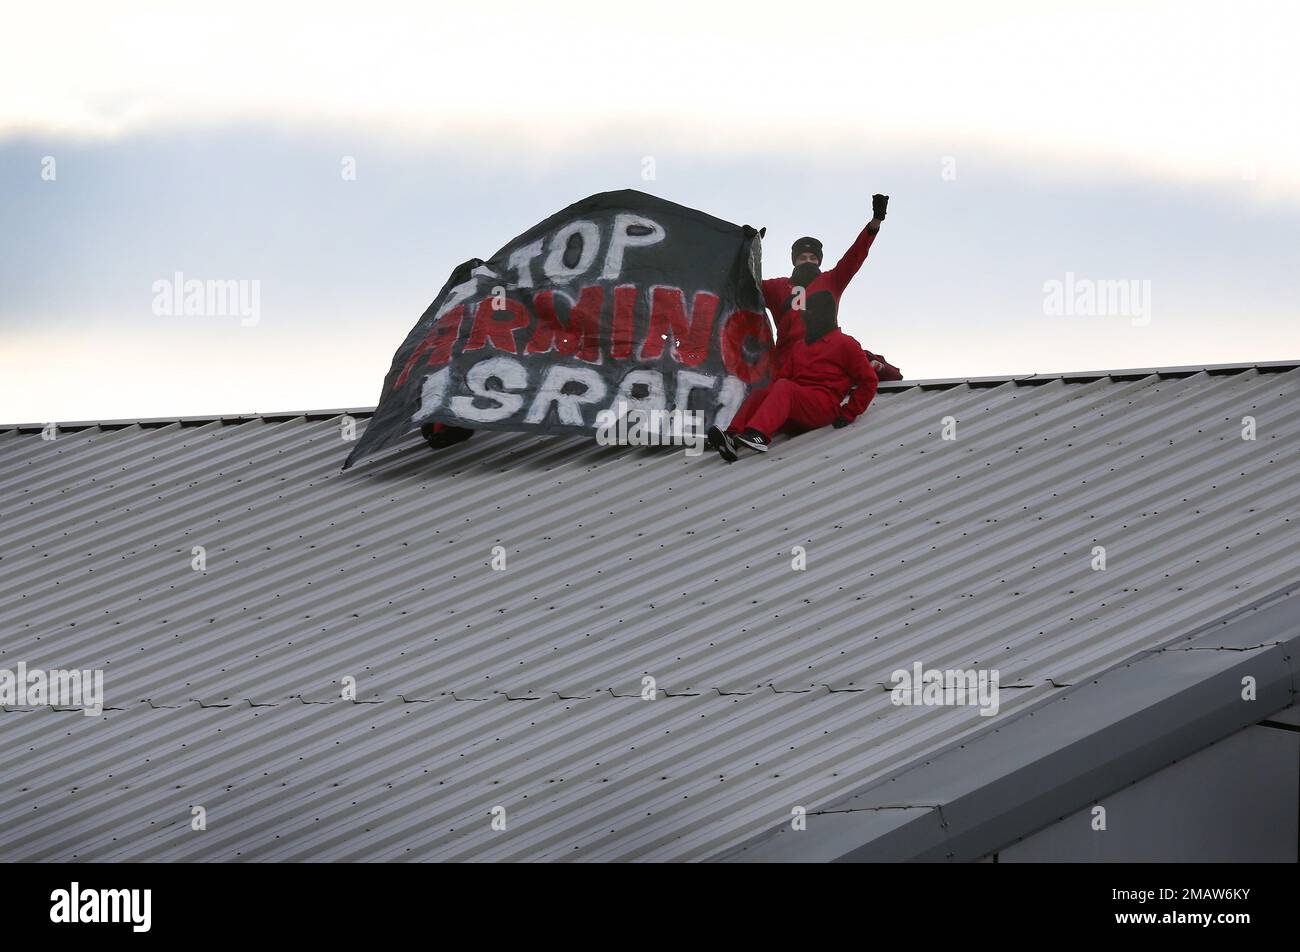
<point>805,244</point>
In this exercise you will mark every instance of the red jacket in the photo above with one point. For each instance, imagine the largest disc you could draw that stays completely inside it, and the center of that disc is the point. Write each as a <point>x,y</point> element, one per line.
<point>816,353</point>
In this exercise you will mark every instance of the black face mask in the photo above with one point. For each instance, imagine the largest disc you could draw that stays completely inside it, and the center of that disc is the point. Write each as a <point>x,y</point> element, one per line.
<point>803,274</point>
<point>820,316</point>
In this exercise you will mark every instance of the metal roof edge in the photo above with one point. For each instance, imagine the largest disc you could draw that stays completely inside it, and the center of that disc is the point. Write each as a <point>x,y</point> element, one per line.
<point>937,383</point>
<point>1012,779</point>
<point>154,423</point>
<point>1084,376</point>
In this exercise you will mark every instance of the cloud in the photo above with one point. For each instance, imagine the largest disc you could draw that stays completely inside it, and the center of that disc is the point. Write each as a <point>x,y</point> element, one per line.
<point>1169,89</point>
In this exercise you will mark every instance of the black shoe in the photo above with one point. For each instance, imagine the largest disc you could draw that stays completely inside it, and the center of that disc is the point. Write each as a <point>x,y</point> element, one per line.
<point>720,440</point>
<point>753,439</point>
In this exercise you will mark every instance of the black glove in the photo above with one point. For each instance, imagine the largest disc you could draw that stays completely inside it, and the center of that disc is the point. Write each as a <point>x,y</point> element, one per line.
<point>879,205</point>
<point>841,422</point>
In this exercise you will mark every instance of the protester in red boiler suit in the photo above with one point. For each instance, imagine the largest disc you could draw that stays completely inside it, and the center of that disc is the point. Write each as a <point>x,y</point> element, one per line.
<point>816,365</point>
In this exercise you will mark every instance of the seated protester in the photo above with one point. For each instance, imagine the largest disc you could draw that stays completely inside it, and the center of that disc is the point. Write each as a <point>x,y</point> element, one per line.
<point>816,364</point>
<point>786,405</point>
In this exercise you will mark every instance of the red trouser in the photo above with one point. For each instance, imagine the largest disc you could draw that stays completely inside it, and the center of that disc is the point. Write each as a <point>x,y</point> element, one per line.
<point>785,401</point>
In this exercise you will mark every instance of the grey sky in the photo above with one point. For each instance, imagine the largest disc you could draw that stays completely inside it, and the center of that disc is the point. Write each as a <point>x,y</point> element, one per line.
<point>983,216</point>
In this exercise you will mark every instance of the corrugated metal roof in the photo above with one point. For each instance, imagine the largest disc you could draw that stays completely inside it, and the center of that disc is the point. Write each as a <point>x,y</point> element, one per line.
<point>522,688</point>
<point>1032,769</point>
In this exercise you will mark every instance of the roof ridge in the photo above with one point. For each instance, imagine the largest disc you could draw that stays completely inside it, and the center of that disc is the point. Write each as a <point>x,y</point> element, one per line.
<point>937,383</point>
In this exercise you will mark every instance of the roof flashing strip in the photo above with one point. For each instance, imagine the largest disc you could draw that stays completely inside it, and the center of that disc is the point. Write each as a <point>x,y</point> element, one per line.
<point>939,383</point>
<point>1086,742</point>
<point>158,423</point>
<point>1087,376</point>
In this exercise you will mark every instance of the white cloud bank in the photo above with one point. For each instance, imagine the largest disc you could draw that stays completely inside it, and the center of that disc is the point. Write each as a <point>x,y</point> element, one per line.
<point>1193,91</point>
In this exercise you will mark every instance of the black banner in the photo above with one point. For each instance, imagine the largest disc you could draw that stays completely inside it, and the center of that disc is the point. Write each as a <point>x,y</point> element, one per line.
<point>620,299</point>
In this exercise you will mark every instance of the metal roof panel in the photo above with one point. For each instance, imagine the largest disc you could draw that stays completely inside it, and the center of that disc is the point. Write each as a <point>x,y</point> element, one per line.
<point>523,687</point>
